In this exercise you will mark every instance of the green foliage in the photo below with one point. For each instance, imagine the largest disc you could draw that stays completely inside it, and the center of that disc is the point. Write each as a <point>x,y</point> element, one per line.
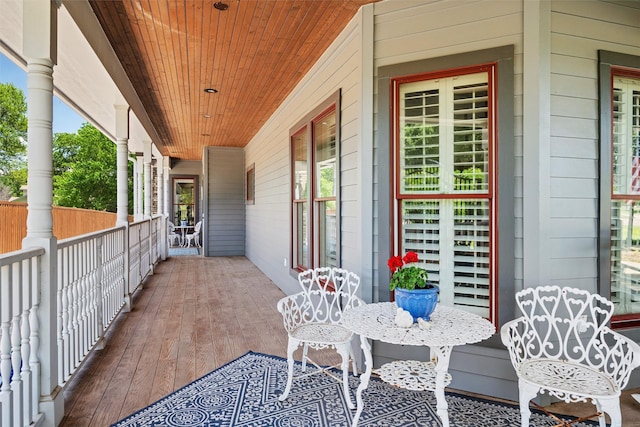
<point>327,180</point>
<point>13,133</point>
<point>15,179</point>
<point>405,276</point>
<point>85,171</point>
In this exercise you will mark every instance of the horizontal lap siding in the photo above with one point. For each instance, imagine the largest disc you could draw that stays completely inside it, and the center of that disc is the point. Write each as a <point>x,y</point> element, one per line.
<point>415,31</point>
<point>411,31</point>
<point>226,202</point>
<point>268,220</point>
<point>578,30</point>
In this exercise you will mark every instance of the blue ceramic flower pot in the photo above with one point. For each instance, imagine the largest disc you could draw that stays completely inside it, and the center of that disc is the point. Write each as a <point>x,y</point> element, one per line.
<point>419,302</point>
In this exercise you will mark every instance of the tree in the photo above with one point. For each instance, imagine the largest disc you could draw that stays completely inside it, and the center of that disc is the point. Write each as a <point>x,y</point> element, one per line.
<point>84,169</point>
<point>13,133</point>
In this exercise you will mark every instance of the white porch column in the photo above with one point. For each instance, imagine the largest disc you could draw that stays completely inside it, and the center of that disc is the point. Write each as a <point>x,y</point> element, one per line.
<point>135,187</point>
<point>167,189</point>
<point>160,172</point>
<point>122,141</point>
<point>148,189</point>
<point>160,207</point>
<point>140,188</point>
<point>39,42</point>
<point>122,168</point>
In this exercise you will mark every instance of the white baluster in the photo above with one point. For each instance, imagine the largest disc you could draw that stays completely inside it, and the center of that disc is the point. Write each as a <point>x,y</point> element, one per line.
<point>6,400</point>
<point>25,348</point>
<point>16,380</point>
<point>34,363</point>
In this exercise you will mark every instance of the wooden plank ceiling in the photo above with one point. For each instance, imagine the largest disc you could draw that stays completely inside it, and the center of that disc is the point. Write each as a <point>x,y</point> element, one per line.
<point>253,53</point>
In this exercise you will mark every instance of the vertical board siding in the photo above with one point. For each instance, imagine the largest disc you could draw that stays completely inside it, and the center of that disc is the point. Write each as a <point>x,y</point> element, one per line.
<point>226,202</point>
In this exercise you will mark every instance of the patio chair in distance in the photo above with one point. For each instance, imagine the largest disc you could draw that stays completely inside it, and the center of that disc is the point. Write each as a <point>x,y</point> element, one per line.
<point>172,235</point>
<point>562,345</point>
<point>194,237</point>
<point>313,318</point>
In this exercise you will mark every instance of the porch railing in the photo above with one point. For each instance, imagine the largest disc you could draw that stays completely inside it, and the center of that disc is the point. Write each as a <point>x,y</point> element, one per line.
<point>97,274</point>
<point>19,337</point>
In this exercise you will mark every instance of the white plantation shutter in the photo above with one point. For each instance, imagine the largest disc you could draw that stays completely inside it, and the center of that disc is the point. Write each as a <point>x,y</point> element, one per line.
<point>443,149</point>
<point>471,253</point>
<point>625,207</point>
<point>470,134</point>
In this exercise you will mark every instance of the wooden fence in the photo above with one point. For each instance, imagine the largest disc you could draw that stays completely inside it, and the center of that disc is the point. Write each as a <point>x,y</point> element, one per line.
<point>67,222</point>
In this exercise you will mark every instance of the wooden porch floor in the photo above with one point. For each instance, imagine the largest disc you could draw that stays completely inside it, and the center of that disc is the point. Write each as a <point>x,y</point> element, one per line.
<point>192,316</point>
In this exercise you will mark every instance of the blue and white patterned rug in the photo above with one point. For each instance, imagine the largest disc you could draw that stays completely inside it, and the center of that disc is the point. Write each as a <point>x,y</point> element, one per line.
<point>245,393</point>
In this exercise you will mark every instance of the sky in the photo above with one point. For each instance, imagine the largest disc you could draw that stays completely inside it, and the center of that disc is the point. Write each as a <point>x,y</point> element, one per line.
<point>65,119</point>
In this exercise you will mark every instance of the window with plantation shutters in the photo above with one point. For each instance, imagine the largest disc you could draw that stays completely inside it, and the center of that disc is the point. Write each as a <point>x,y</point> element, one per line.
<point>444,172</point>
<point>625,195</point>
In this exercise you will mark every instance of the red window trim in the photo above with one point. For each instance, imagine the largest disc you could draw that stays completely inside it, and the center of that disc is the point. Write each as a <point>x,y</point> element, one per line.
<point>309,128</point>
<point>491,69</point>
<point>627,320</point>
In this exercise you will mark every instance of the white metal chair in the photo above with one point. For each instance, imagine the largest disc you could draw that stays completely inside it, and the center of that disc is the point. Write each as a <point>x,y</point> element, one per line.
<point>172,235</point>
<point>313,318</point>
<point>194,237</point>
<point>561,345</point>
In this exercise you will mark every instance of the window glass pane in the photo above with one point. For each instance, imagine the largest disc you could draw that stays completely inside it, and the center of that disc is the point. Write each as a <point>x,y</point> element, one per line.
<point>443,137</point>
<point>327,233</point>
<point>184,201</point>
<point>302,234</point>
<point>471,250</point>
<point>421,233</point>
<point>626,135</point>
<point>419,139</point>
<point>300,174</point>
<point>251,185</point>
<point>462,268</point>
<point>470,136</point>
<point>625,256</point>
<point>325,155</point>
<point>443,147</point>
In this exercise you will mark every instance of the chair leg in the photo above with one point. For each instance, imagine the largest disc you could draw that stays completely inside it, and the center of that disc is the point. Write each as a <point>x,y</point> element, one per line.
<point>291,348</point>
<point>344,351</point>
<point>610,406</point>
<point>353,361</point>
<point>305,349</point>
<point>526,392</point>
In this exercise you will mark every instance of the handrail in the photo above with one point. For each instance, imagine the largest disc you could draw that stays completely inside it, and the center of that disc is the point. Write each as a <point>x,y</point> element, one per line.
<point>97,273</point>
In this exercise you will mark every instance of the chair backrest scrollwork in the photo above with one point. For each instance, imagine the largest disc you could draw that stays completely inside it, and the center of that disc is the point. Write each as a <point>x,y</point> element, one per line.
<point>570,324</point>
<point>328,292</point>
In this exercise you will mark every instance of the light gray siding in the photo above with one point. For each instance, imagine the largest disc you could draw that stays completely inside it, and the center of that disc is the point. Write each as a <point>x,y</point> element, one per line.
<point>578,30</point>
<point>269,219</point>
<point>554,143</point>
<point>225,231</point>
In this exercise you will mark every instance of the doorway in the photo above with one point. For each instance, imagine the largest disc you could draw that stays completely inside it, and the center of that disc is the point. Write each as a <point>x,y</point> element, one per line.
<point>184,201</point>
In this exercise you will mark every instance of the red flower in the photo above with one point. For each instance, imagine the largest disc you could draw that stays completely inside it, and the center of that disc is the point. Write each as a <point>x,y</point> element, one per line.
<point>406,276</point>
<point>410,257</point>
<point>394,263</point>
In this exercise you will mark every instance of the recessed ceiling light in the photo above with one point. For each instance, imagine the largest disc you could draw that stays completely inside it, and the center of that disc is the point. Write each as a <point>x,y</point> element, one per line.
<point>206,116</point>
<point>211,90</point>
<point>220,5</point>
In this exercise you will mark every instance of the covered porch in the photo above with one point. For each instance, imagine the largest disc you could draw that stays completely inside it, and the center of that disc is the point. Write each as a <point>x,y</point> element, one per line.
<point>192,316</point>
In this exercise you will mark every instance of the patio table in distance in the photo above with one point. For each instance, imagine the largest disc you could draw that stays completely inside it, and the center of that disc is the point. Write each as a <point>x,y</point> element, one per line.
<point>448,327</point>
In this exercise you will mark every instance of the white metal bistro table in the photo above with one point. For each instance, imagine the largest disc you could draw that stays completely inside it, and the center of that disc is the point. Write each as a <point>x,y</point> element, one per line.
<point>183,231</point>
<point>448,328</point>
